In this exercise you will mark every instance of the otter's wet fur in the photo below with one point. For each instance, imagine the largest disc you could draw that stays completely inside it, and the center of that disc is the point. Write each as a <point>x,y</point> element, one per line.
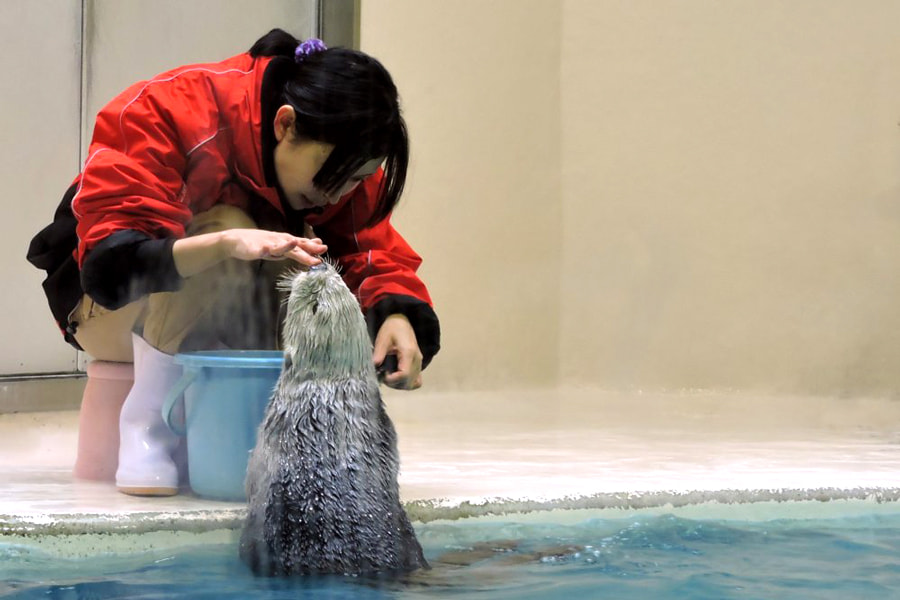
<point>322,480</point>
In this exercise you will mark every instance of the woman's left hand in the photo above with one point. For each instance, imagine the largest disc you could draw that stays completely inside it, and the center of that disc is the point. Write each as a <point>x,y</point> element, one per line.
<point>398,337</point>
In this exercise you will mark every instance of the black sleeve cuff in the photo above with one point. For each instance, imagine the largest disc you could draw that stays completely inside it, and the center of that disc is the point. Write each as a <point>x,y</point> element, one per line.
<point>421,316</point>
<point>127,266</point>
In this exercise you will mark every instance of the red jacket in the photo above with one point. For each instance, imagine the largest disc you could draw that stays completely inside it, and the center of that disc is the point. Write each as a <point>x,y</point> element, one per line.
<point>188,139</point>
<point>168,148</point>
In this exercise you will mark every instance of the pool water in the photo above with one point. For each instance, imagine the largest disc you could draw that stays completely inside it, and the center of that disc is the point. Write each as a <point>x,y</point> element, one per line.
<point>647,557</point>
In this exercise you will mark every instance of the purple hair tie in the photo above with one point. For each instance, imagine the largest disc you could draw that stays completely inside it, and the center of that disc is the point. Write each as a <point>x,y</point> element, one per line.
<point>307,47</point>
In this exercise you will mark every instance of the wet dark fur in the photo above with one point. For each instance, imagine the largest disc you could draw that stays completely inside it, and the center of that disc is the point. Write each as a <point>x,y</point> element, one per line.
<point>322,481</point>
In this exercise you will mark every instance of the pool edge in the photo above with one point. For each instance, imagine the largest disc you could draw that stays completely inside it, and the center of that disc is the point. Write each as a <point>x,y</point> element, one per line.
<point>424,511</point>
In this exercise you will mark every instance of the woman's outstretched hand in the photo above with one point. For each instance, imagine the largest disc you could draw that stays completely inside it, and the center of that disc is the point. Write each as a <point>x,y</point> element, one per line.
<point>197,253</point>
<point>256,244</point>
<point>397,337</point>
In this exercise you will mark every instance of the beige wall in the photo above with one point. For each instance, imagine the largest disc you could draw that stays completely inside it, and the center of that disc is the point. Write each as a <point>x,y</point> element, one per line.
<point>40,156</point>
<point>731,192</point>
<point>80,54</point>
<point>481,97</point>
<point>646,194</point>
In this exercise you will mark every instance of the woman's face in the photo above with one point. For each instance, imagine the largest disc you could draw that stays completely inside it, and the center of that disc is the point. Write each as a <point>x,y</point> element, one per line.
<point>297,161</point>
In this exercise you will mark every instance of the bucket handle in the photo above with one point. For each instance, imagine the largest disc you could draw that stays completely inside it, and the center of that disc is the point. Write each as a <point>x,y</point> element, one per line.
<point>187,378</point>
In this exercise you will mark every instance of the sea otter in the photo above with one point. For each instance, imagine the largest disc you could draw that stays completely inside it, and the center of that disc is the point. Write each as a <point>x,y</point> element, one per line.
<point>322,480</point>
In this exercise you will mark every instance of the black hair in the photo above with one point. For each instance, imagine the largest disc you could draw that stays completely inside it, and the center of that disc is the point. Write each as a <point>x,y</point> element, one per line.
<point>345,98</point>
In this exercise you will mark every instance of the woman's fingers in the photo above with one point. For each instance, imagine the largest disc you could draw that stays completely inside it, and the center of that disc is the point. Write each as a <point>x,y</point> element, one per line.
<point>279,249</point>
<point>300,256</point>
<point>312,246</point>
<point>301,250</point>
<point>408,375</point>
<point>396,336</point>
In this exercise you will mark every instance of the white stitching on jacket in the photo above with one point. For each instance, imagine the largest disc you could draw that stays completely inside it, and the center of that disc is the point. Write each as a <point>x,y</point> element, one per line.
<point>210,138</point>
<point>81,180</point>
<point>175,76</point>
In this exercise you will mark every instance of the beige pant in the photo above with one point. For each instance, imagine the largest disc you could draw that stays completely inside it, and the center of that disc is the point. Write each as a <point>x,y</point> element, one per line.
<point>231,305</point>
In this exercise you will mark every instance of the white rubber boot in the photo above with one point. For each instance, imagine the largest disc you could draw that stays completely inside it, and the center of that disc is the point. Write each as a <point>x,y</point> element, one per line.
<point>146,444</point>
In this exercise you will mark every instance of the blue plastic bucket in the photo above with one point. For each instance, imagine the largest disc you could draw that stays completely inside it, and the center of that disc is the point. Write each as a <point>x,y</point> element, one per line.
<point>225,398</point>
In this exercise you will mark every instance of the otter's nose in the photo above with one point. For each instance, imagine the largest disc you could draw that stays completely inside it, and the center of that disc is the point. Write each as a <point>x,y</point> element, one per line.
<point>319,267</point>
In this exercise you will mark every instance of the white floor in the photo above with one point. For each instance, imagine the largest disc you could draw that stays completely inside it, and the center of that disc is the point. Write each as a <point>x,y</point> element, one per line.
<point>473,454</point>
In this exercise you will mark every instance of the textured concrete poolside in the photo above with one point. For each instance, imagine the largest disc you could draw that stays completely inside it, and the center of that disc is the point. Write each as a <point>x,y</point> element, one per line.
<point>478,454</point>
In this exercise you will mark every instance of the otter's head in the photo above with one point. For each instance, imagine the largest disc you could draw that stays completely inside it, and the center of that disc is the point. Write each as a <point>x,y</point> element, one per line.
<point>325,333</point>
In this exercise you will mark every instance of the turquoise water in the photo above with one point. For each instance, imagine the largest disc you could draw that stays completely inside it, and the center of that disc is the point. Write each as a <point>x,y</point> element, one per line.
<point>647,557</point>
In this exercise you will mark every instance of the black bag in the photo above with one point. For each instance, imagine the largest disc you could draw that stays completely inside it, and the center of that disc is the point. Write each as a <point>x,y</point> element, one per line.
<point>51,250</point>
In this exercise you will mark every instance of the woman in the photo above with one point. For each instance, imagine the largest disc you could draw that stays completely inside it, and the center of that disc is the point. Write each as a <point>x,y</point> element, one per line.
<point>200,185</point>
